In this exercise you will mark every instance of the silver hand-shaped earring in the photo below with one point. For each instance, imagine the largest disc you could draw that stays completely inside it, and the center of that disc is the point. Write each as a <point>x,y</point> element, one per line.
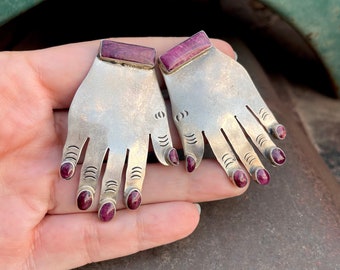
<point>115,111</point>
<point>213,96</point>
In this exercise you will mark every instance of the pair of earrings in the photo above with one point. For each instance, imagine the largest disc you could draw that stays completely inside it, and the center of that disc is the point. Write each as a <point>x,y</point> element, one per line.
<point>119,106</point>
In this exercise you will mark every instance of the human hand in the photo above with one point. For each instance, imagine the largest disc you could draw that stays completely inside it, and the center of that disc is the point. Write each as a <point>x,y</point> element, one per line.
<point>41,225</point>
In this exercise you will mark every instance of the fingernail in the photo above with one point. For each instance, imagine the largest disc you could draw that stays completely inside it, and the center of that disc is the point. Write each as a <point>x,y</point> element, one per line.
<point>235,56</point>
<point>190,163</point>
<point>240,178</point>
<point>198,208</point>
<point>66,170</point>
<point>107,211</point>
<point>84,199</point>
<point>173,157</point>
<point>134,199</point>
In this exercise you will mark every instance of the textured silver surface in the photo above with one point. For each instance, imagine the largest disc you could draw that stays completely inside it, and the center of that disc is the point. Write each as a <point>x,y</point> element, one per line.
<point>214,96</point>
<point>116,109</point>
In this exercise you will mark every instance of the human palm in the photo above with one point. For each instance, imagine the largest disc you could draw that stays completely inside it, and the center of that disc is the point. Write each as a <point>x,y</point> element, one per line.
<point>41,226</point>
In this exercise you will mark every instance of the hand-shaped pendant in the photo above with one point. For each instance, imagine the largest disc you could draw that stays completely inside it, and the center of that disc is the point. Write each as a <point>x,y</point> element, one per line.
<point>213,96</point>
<point>116,110</point>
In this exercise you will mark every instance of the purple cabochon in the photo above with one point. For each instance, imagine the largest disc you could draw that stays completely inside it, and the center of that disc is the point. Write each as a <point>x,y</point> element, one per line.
<point>185,51</point>
<point>127,53</point>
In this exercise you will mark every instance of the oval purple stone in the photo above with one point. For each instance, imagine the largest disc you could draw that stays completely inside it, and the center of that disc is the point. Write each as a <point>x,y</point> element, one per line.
<point>240,178</point>
<point>134,200</point>
<point>84,200</point>
<point>66,170</point>
<point>173,157</point>
<point>262,176</point>
<point>278,156</point>
<point>191,163</point>
<point>280,132</point>
<point>107,211</point>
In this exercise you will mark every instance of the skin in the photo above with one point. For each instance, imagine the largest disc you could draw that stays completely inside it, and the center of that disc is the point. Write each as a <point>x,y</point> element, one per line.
<point>41,227</point>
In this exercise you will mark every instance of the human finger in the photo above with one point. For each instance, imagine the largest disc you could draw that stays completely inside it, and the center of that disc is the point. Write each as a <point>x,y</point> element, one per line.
<point>85,239</point>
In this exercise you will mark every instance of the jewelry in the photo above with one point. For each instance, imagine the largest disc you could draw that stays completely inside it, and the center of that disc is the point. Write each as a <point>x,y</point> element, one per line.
<point>115,111</point>
<point>212,96</point>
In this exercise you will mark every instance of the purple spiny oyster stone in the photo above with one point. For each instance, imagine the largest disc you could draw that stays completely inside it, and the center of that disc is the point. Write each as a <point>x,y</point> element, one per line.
<point>66,170</point>
<point>278,156</point>
<point>134,200</point>
<point>173,157</point>
<point>127,53</point>
<point>262,176</point>
<point>191,163</point>
<point>240,178</point>
<point>107,211</point>
<point>84,200</point>
<point>185,51</point>
<point>281,132</point>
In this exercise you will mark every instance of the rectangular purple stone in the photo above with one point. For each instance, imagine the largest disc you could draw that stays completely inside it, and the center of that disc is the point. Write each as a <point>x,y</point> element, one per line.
<point>124,53</point>
<point>185,51</point>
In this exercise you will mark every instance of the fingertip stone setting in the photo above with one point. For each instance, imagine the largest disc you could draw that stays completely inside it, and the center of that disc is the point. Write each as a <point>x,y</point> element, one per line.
<point>277,156</point>
<point>107,211</point>
<point>262,176</point>
<point>190,164</point>
<point>173,157</point>
<point>280,132</point>
<point>66,170</point>
<point>84,200</point>
<point>240,178</point>
<point>134,200</point>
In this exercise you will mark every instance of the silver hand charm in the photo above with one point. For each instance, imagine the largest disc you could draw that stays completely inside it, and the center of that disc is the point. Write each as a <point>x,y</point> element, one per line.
<point>115,111</point>
<point>213,96</point>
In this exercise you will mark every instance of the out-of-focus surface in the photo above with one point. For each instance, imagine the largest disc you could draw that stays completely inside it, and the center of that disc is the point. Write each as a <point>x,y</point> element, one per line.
<point>9,9</point>
<point>319,23</point>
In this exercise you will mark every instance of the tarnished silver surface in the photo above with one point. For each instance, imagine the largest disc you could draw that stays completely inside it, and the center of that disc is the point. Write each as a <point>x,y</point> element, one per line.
<point>213,96</point>
<point>116,109</point>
